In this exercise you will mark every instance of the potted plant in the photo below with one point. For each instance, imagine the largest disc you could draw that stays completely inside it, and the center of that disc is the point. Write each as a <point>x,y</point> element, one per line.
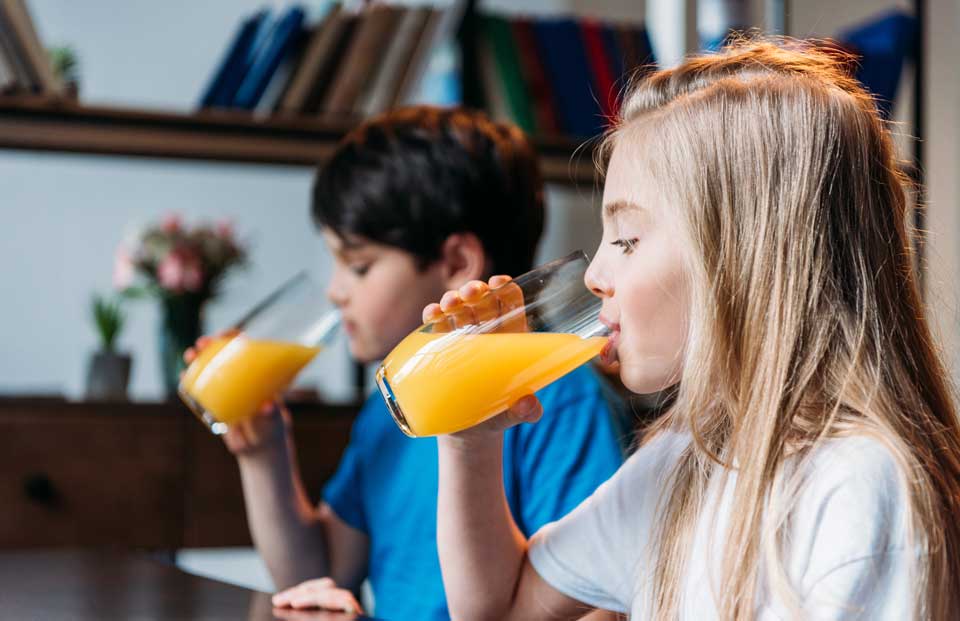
<point>108,371</point>
<point>182,267</point>
<point>66,67</point>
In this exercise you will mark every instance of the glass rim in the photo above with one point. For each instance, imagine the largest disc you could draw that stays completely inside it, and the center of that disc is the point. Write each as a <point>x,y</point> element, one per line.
<point>573,257</point>
<point>531,279</point>
<point>302,276</point>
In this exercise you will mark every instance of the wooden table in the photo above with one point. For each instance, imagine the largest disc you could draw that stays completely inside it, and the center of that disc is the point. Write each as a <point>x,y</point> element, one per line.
<point>136,475</point>
<point>78,585</point>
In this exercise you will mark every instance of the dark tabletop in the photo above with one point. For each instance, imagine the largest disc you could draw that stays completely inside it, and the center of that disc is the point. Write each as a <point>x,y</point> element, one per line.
<point>113,586</point>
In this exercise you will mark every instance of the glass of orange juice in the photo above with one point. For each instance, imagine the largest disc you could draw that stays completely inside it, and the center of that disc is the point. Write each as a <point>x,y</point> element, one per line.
<point>235,375</point>
<point>459,371</point>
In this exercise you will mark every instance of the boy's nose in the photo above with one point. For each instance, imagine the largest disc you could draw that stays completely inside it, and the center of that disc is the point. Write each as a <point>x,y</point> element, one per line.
<point>336,294</point>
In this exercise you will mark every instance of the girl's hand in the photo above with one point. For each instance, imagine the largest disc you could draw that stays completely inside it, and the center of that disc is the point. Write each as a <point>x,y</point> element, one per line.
<point>476,302</point>
<point>263,430</point>
<point>321,593</point>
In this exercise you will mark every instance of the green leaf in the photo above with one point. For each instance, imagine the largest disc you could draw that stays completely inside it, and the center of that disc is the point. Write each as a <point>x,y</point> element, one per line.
<point>109,318</point>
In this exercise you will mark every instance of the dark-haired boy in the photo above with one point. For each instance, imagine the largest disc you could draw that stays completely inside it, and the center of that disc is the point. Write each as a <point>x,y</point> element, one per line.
<point>413,204</point>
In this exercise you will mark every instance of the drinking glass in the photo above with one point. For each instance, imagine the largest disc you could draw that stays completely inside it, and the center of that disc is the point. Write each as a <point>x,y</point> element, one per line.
<point>470,365</point>
<point>235,375</point>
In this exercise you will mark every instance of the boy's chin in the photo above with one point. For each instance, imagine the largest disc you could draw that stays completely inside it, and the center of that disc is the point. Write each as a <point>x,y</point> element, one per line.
<point>366,354</point>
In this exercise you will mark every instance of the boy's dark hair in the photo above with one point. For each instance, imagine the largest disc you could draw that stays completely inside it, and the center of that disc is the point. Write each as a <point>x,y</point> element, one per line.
<point>414,176</point>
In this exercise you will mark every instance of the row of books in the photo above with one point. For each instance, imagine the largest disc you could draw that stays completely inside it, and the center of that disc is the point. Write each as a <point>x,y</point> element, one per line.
<point>558,75</point>
<point>24,64</point>
<point>351,63</point>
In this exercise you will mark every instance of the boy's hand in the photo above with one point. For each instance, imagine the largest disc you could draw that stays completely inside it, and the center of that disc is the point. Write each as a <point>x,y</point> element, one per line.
<point>265,429</point>
<point>268,426</point>
<point>321,593</point>
<point>476,302</point>
<point>292,614</point>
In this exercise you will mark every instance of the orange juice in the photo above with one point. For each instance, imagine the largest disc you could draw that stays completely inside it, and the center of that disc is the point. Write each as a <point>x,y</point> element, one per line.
<point>200,362</point>
<point>446,383</point>
<point>232,378</point>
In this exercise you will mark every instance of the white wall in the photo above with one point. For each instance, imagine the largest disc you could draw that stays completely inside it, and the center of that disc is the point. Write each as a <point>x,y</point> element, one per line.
<point>62,216</point>
<point>942,152</point>
<point>827,19</point>
<point>941,145</point>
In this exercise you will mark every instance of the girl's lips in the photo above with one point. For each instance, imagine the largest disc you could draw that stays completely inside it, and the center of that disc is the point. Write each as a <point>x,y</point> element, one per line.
<point>608,355</point>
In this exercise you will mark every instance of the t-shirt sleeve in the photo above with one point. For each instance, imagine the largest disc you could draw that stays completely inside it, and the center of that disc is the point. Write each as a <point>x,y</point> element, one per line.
<point>575,555</point>
<point>849,553</point>
<point>595,554</point>
<point>344,490</point>
<point>561,460</point>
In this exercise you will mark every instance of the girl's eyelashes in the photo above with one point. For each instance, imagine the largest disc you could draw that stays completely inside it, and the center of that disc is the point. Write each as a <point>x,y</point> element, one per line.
<point>360,270</point>
<point>626,245</point>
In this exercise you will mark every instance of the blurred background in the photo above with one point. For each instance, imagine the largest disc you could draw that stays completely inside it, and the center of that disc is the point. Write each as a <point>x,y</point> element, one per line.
<point>122,117</point>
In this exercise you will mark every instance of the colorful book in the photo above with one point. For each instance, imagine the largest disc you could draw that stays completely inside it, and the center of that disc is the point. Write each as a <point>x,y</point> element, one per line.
<point>363,54</point>
<point>412,73</point>
<point>434,45</point>
<point>9,51</point>
<point>8,79</point>
<point>648,61</point>
<point>386,84</point>
<point>637,51</point>
<point>290,67</point>
<point>235,62</point>
<point>279,82</point>
<point>604,82</point>
<point>282,39</point>
<point>628,44</point>
<point>883,44</point>
<point>497,33</point>
<point>493,87</point>
<point>388,43</point>
<point>568,71</point>
<point>546,117</point>
<point>321,44</point>
<point>22,29</point>
<point>611,44</point>
<point>321,87</point>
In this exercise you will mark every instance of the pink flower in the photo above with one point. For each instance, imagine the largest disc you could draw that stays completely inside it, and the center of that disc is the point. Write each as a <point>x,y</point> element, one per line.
<point>193,276</point>
<point>225,230</point>
<point>123,270</point>
<point>171,223</point>
<point>180,270</point>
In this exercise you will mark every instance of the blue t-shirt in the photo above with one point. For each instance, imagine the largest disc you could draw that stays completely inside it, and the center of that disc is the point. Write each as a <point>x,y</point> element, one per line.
<point>386,486</point>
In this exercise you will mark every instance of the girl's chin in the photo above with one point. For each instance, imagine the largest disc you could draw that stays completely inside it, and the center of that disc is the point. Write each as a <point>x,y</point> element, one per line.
<point>641,382</point>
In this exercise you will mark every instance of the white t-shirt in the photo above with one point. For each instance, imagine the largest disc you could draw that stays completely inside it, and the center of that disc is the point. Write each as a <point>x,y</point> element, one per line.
<point>848,556</point>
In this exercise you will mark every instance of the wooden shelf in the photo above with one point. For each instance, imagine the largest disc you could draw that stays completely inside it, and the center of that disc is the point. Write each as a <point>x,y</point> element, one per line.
<point>39,124</point>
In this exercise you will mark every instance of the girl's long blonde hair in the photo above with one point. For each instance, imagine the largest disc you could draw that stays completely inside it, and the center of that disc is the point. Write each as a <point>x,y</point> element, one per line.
<point>807,322</point>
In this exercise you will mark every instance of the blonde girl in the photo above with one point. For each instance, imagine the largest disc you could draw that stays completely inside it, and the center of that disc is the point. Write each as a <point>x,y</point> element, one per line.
<point>755,256</point>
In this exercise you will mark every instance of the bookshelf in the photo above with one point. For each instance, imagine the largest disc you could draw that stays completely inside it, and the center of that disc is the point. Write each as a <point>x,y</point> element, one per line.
<point>43,124</point>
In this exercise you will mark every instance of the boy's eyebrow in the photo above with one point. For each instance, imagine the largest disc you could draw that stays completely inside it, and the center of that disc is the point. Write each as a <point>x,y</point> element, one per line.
<point>611,209</point>
<point>347,244</point>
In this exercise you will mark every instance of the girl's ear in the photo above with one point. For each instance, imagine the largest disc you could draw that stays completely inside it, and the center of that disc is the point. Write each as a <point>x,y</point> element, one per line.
<point>462,259</point>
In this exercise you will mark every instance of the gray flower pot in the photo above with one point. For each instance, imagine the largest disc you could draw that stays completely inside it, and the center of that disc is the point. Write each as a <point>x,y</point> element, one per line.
<point>107,376</point>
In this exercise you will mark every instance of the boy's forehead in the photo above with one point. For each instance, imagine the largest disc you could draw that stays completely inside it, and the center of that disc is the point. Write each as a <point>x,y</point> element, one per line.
<point>345,242</point>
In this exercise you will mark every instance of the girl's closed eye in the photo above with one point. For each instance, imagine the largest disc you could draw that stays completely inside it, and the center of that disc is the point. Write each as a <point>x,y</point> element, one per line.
<point>626,244</point>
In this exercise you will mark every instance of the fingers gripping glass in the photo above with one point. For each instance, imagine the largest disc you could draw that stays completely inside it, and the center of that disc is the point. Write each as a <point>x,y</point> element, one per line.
<point>235,375</point>
<point>479,359</point>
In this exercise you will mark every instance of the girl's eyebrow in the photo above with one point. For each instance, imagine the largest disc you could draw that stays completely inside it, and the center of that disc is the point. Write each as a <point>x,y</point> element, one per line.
<point>611,209</point>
